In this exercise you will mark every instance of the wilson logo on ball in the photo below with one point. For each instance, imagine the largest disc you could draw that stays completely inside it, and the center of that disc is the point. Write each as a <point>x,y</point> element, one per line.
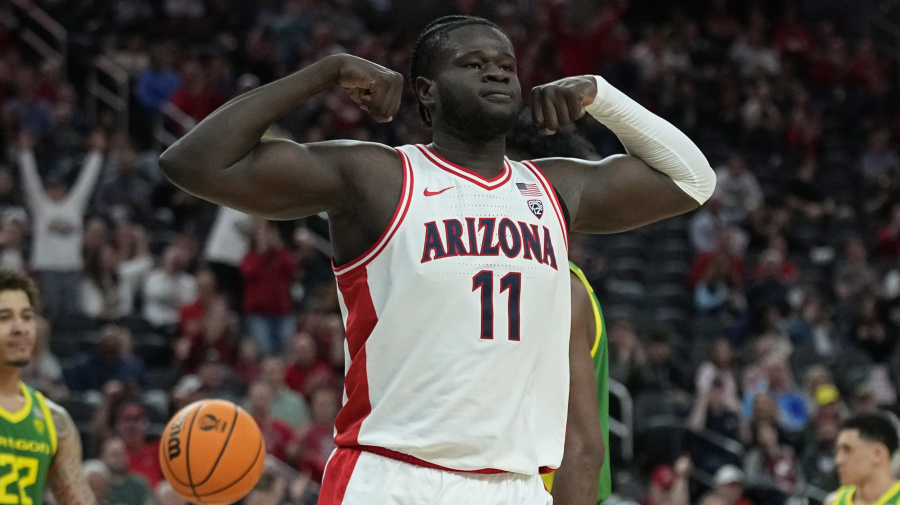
<point>174,443</point>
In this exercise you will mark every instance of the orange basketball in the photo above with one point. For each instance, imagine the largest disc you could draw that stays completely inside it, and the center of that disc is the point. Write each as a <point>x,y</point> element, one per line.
<point>212,452</point>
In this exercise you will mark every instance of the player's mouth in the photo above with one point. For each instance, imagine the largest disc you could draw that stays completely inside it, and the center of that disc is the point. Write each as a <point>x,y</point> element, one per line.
<point>497,95</point>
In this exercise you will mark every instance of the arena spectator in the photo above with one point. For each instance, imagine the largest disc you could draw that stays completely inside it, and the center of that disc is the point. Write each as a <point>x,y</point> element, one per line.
<point>13,232</point>
<point>287,405</point>
<point>110,361</point>
<point>96,474</point>
<point>719,367</point>
<point>770,463</point>
<point>57,214</point>
<point>668,485</point>
<point>738,190</point>
<point>195,97</point>
<point>157,84</point>
<point>729,485</point>
<point>305,368</point>
<point>124,487</point>
<point>167,289</point>
<point>44,371</point>
<point>280,439</point>
<point>226,247</point>
<point>124,195</point>
<point>268,307</point>
<point>317,441</point>
<point>131,427</point>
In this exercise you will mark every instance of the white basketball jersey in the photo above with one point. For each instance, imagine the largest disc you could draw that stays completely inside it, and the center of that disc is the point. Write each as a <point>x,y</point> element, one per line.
<point>458,323</point>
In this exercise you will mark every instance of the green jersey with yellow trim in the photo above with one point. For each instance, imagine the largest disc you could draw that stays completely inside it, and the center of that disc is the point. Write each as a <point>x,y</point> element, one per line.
<point>27,446</point>
<point>844,496</point>
<point>600,356</point>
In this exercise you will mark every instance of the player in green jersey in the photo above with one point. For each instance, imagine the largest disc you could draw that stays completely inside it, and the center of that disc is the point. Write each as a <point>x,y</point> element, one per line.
<point>865,446</point>
<point>587,430</point>
<point>38,441</point>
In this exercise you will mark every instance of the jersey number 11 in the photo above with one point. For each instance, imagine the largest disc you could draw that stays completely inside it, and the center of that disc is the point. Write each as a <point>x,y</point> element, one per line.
<point>512,282</point>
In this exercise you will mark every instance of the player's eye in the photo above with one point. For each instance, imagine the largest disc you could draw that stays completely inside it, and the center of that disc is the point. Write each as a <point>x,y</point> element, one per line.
<point>474,64</point>
<point>507,68</point>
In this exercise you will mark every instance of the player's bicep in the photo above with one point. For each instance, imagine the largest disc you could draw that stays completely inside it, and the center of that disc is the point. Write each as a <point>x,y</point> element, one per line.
<point>280,179</point>
<point>65,477</point>
<point>616,194</point>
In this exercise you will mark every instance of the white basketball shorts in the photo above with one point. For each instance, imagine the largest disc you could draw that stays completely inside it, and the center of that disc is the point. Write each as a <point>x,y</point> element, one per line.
<point>354,477</point>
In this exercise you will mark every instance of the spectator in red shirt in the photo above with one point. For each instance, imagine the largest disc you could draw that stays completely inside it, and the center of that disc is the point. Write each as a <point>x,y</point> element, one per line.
<point>143,456</point>
<point>280,440</point>
<point>268,271</point>
<point>724,247</point>
<point>306,370</point>
<point>792,37</point>
<point>216,331</point>
<point>317,442</point>
<point>191,315</point>
<point>195,98</point>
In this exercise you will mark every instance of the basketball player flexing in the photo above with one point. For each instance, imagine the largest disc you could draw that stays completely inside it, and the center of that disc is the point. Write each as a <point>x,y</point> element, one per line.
<point>450,258</point>
<point>865,446</point>
<point>38,441</point>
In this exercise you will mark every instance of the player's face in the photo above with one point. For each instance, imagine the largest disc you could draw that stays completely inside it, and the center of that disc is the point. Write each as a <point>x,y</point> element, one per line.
<point>18,328</point>
<point>855,459</point>
<point>478,92</point>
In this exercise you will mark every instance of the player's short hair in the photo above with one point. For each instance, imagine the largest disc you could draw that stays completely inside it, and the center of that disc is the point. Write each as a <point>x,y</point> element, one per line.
<point>874,428</point>
<point>11,280</point>
<point>433,38</point>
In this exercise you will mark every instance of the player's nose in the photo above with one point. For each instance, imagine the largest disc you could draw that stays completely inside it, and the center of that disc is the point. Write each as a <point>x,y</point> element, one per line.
<point>493,73</point>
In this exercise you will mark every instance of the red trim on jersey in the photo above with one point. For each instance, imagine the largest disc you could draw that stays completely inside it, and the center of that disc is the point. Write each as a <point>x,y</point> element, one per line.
<point>551,193</point>
<point>337,476</point>
<point>392,227</point>
<point>406,458</point>
<point>361,320</point>
<point>464,173</point>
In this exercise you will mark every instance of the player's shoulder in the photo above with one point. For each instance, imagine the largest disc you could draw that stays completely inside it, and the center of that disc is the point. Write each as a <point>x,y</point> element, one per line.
<point>62,421</point>
<point>836,497</point>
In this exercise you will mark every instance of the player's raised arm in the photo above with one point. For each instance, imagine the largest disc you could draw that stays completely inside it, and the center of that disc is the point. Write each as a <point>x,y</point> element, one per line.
<point>664,175</point>
<point>225,160</point>
<point>64,476</point>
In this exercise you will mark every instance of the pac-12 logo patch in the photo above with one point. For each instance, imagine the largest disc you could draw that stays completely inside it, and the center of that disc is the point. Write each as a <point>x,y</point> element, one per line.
<point>537,207</point>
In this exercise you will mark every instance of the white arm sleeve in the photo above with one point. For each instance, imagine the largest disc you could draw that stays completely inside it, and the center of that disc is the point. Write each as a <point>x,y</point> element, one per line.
<point>654,141</point>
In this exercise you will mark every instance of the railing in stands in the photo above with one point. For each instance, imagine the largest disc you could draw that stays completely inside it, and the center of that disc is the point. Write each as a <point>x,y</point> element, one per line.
<point>884,16</point>
<point>108,85</point>
<point>38,30</point>
<point>170,124</point>
<point>624,427</point>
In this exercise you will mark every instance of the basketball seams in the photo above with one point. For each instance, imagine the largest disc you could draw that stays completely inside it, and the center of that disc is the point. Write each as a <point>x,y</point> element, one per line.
<point>221,451</point>
<point>166,460</point>
<point>187,451</point>
<point>252,465</point>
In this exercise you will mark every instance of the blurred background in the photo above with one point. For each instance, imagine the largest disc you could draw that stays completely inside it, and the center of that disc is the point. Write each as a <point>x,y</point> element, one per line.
<point>740,335</point>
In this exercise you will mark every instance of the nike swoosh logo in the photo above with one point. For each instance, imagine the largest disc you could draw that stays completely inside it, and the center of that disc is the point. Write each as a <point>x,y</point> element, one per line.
<point>432,193</point>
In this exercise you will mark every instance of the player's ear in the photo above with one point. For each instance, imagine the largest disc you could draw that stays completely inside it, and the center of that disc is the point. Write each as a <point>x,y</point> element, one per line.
<point>425,90</point>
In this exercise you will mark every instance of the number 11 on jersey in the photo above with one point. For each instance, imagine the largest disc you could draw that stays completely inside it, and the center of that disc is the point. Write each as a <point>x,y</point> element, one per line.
<point>512,282</point>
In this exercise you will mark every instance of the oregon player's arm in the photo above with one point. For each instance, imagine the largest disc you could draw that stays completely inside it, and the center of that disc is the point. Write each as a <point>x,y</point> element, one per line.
<point>578,476</point>
<point>64,476</point>
<point>663,175</point>
<point>225,160</point>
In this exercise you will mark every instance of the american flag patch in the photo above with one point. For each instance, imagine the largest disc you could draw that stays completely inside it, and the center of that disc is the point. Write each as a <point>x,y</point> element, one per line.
<point>529,189</point>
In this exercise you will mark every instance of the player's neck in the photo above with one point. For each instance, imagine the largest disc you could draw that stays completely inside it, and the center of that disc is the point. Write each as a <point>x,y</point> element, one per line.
<point>9,380</point>
<point>870,491</point>
<point>482,155</point>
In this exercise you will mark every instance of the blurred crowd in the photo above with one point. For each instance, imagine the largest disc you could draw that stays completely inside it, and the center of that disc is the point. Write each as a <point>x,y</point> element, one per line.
<point>772,311</point>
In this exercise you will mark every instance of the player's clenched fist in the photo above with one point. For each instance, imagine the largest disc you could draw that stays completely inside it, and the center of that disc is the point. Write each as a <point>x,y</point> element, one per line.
<point>561,102</point>
<point>376,89</point>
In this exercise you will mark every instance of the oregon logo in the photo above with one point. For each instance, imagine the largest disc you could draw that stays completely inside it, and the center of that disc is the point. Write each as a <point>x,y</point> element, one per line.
<point>39,426</point>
